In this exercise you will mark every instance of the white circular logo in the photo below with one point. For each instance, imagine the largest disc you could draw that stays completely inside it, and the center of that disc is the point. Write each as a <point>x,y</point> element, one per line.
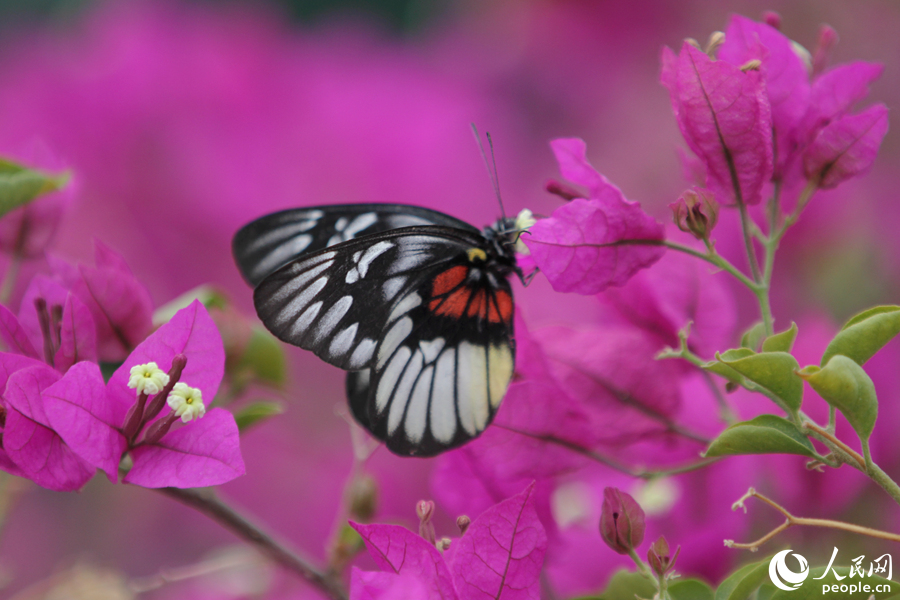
<point>782,576</point>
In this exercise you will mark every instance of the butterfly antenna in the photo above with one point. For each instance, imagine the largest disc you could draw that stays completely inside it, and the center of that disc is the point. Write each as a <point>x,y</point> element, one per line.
<point>495,179</point>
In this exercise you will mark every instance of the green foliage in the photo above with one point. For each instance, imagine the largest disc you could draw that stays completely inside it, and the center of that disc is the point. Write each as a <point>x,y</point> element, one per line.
<point>255,412</point>
<point>740,584</point>
<point>772,372</point>
<point>766,434</point>
<point>781,342</point>
<point>846,386</point>
<point>20,185</point>
<point>865,334</point>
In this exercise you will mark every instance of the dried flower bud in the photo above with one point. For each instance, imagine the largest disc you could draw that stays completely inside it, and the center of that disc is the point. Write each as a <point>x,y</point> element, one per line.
<point>658,556</point>
<point>772,19</point>
<point>621,521</point>
<point>463,523</point>
<point>716,39</point>
<point>566,192</point>
<point>425,510</point>
<point>828,39</point>
<point>443,544</point>
<point>696,212</point>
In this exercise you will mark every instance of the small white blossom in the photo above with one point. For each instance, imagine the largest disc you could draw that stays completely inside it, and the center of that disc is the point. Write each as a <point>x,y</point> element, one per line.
<point>187,402</point>
<point>524,220</point>
<point>147,379</point>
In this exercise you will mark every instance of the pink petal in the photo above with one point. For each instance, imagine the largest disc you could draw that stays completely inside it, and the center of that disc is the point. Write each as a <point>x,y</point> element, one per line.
<point>78,335</point>
<point>197,454</point>
<point>847,147</point>
<point>586,245</point>
<point>725,118</point>
<point>42,456</point>
<point>502,552</point>
<point>28,439</point>
<point>399,550</point>
<point>378,585</point>
<point>786,76</point>
<point>836,91</point>
<point>14,336</point>
<point>191,332</point>
<point>78,410</point>
<point>11,363</point>
<point>121,307</point>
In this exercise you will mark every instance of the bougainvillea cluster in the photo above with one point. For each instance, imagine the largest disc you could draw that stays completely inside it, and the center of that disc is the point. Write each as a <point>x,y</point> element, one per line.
<point>641,418</point>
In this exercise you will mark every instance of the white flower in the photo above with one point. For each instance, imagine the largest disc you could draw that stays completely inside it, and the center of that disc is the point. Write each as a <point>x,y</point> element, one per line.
<point>147,379</point>
<point>187,402</point>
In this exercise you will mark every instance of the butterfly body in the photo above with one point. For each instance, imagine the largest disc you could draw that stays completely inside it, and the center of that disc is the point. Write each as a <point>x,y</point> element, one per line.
<point>415,304</point>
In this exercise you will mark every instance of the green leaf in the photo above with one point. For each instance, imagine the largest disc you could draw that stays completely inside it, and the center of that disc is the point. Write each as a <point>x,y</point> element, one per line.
<point>740,584</point>
<point>774,373</point>
<point>766,591</point>
<point>720,368</point>
<point>207,295</point>
<point>624,585</point>
<point>781,342</point>
<point>846,386</point>
<point>753,336</point>
<point>20,185</point>
<point>766,434</point>
<point>812,589</point>
<point>255,412</point>
<point>865,334</point>
<point>690,589</point>
<point>263,359</point>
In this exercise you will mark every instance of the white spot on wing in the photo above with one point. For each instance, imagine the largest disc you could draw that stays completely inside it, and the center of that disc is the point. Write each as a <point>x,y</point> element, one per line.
<point>431,349</point>
<point>443,404</point>
<point>403,392</point>
<point>417,413</point>
<point>363,353</point>
<point>500,365</point>
<point>303,322</point>
<point>392,286</point>
<point>363,260</point>
<point>394,337</point>
<point>281,254</point>
<point>409,302</point>
<point>296,305</point>
<point>389,378</point>
<point>359,223</point>
<point>331,318</point>
<point>343,341</point>
<point>296,282</point>
<point>472,388</point>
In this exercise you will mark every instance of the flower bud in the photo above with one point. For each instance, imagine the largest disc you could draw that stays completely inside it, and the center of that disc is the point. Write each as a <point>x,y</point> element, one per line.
<point>828,39</point>
<point>566,192</point>
<point>463,522</point>
<point>363,498</point>
<point>621,521</point>
<point>425,510</point>
<point>443,544</point>
<point>658,557</point>
<point>696,212</point>
<point>772,19</point>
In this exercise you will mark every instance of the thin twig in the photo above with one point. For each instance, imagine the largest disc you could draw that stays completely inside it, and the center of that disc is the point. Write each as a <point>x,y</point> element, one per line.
<point>844,447</point>
<point>205,501</point>
<point>791,521</point>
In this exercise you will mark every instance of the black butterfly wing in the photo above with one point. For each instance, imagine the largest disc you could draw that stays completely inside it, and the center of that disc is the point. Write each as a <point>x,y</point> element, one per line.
<point>443,363</point>
<point>270,242</point>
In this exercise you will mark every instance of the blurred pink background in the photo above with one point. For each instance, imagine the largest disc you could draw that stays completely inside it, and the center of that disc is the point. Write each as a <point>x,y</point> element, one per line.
<point>183,121</point>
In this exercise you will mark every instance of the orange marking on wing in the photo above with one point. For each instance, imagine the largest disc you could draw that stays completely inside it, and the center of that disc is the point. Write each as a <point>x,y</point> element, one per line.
<point>478,305</point>
<point>501,308</point>
<point>453,305</point>
<point>448,280</point>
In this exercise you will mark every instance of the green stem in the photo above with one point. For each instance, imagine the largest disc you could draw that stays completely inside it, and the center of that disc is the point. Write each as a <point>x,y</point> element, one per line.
<point>9,279</point>
<point>713,257</point>
<point>748,241</point>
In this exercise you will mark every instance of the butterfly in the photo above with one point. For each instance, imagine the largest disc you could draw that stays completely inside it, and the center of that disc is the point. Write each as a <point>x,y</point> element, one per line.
<point>414,303</point>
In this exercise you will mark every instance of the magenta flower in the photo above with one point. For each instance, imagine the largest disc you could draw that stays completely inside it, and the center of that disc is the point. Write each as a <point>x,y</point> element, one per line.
<point>846,148</point>
<point>590,244</point>
<point>726,119</point>
<point>120,304</point>
<point>31,440</point>
<point>500,555</point>
<point>205,451</point>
